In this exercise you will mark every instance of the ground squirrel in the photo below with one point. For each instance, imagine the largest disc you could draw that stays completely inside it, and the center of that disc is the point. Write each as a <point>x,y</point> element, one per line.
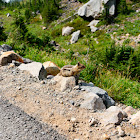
<point>71,70</point>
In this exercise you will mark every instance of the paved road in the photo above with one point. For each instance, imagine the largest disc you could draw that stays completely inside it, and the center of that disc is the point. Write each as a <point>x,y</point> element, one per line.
<point>15,124</point>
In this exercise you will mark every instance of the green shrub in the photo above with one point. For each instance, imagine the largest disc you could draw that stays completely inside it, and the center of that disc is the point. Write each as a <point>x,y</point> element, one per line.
<point>3,36</point>
<point>27,15</point>
<point>124,59</point>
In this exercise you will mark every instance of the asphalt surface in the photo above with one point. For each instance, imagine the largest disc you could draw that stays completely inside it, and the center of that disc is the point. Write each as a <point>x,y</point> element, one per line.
<point>15,124</point>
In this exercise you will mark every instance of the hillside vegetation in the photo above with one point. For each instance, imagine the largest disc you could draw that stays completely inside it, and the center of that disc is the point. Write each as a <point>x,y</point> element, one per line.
<point>111,54</point>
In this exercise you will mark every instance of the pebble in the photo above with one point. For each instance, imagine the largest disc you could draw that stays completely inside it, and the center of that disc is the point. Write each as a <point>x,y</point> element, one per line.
<point>92,121</point>
<point>72,102</point>
<point>73,119</point>
<point>105,137</point>
<point>42,82</point>
<point>132,136</point>
<point>19,88</point>
<point>121,132</point>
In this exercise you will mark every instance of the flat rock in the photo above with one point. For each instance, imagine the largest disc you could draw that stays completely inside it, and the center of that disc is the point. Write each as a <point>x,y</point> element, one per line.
<point>36,69</point>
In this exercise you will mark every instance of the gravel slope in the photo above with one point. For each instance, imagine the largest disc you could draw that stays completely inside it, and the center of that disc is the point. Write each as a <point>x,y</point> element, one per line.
<point>15,124</point>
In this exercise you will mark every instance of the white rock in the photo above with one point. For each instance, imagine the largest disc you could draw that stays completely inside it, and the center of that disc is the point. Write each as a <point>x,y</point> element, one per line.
<point>73,119</point>
<point>93,29</point>
<point>95,7</point>
<point>35,68</point>
<point>64,83</point>
<point>93,23</point>
<point>112,116</point>
<point>75,37</point>
<point>93,102</point>
<point>92,121</point>
<point>67,30</point>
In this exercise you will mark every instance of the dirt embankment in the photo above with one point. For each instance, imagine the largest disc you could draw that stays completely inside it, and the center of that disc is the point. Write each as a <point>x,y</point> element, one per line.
<point>58,109</point>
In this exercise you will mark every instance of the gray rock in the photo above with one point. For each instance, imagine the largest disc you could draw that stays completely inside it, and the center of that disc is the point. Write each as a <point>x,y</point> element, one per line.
<point>36,69</point>
<point>108,101</point>
<point>5,48</point>
<point>93,102</point>
<point>75,37</point>
<point>26,60</point>
<point>93,8</point>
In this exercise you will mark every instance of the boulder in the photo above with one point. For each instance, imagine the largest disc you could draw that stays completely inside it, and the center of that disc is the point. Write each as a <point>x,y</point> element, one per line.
<point>67,30</point>
<point>51,68</point>
<point>64,83</point>
<point>8,56</point>
<point>5,48</point>
<point>135,119</point>
<point>112,116</point>
<point>108,101</point>
<point>93,23</point>
<point>36,69</point>
<point>94,8</point>
<point>93,29</point>
<point>75,37</point>
<point>93,102</point>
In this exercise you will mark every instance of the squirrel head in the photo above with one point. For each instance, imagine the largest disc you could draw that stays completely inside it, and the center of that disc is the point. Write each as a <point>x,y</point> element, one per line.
<point>80,66</point>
